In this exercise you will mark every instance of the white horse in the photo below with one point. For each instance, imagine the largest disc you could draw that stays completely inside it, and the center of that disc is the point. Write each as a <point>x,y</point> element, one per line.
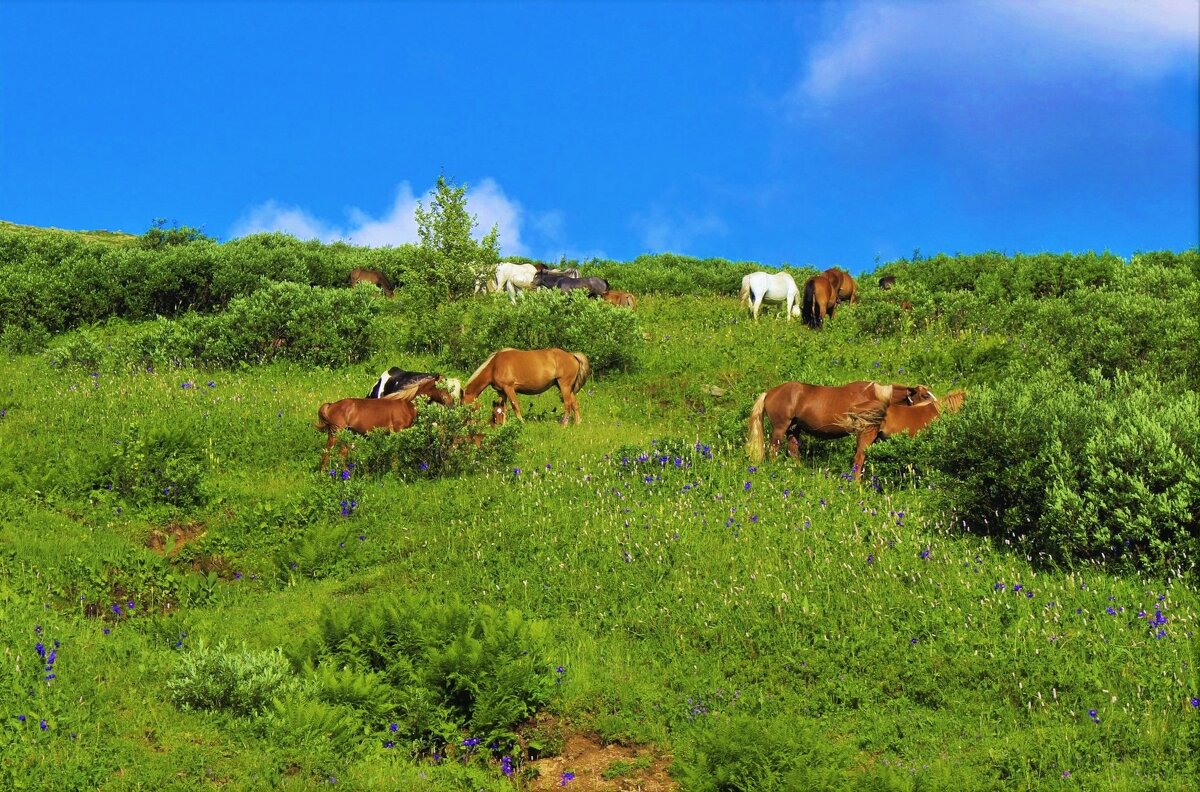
<point>779,287</point>
<point>510,277</point>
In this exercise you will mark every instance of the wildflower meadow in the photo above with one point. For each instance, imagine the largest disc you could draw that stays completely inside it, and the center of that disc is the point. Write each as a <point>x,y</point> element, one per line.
<point>191,600</point>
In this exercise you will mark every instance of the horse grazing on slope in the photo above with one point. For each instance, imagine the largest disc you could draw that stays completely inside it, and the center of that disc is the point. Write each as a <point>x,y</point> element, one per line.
<point>820,298</point>
<point>911,420</point>
<point>779,287</point>
<point>595,287</point>
<point>363,275</point>
<point>396,383</point>
<point>532,371</point>
<point>361,416</point>
<point>827,412</point>
<point>620,299</point>
<point>841,280</point>
<point>511,276</point>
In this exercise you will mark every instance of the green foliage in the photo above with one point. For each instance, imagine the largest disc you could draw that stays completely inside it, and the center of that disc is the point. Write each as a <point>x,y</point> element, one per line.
<point>745,754</point>
<point>1100,470</point>
<point>456,261</point>
<point>439,443</point>
<point>609,336</point>
<point>242,683</point>
<point>668,273</point>
<point>159,466</point>
<point>451,668</point>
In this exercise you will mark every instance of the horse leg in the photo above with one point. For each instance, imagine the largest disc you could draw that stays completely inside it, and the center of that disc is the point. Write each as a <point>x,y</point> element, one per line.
<point>570,403</point>
<point>778,430</point>
<point>325,456</point>
<point>510,394</point>
<point>865,438</point>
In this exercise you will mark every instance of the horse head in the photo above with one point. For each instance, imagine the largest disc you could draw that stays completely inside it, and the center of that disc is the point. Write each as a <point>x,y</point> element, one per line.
<point>919,394</point>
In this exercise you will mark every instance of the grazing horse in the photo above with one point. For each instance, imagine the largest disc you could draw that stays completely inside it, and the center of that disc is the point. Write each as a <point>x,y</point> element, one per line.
<point>903,418</point>
<point>620,299</point>
<point>778,287</point>
<point>841,280</point>
<point>820,298</point>
<point>546,279</point>
<point>361,416</point>
<point>363,275</point>
<point>533,371</point>
<point>396,383</point>
<point>511,276</point>
<point>887,282</point>
<point>827,412</point>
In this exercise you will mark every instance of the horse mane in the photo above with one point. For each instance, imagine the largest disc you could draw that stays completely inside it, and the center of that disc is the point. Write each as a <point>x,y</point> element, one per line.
<point>585,369</point>
<point>479,371</point>
<point>952,401</point>
<point>855,422</point>
<point>409,393</point>
<point>883,392</point>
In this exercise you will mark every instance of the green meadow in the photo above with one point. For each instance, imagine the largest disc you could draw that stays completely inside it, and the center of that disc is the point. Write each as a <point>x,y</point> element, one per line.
<point>190,600</point>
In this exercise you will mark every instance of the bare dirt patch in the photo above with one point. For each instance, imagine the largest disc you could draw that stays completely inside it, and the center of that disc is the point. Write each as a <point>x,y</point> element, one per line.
<point>628,769</point>
<point>182,533</point>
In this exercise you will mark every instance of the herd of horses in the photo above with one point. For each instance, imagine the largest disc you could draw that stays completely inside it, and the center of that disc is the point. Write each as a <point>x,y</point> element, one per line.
<point>868,410</point>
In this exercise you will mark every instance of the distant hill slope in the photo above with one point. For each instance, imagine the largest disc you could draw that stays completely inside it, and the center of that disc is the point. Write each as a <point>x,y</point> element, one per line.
<point>107,237</point>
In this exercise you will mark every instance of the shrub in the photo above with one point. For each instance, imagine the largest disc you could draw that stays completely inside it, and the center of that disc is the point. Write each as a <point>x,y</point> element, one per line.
<point>1103,470</point>
<point>159,466</point>
<point>438,444</point>
<point>241,682</point>
<point>609,336</point>
<point>452,668</point>
<point>748,754</point>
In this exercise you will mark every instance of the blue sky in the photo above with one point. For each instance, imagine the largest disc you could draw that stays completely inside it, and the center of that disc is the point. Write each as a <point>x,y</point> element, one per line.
<point>811,133</point>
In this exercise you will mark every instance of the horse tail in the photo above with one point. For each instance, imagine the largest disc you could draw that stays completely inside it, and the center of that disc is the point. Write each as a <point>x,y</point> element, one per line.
<point>455,388</point>
<point>585,370</point>
<point>953,401</point>
<point>754,437</point>
<point>811,311</point>
<point>744,293</point>
<point>323,423</point>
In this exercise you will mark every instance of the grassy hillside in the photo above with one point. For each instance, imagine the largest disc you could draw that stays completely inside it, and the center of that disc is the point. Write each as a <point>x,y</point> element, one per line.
<point>188,600</point>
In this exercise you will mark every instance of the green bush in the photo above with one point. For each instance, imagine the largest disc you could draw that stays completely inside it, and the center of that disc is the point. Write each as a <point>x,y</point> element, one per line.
<point>609,336</point>
<point>160,466</point>
<point>241,682</point>
<point>438,444</point>
<point>452,668</point>
<point>1105,470</point>
<point>749,754</point>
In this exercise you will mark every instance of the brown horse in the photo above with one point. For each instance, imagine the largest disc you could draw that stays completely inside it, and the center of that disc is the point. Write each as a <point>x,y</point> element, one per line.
<point>363,275</point>
<point>887,282</point>
<point>620,299</point>
<point>841,280</point>
<point>827,412</point>
<point>903,418</point>
<point>532,371</point>
<point>361,416</point>
<point>820,298</point>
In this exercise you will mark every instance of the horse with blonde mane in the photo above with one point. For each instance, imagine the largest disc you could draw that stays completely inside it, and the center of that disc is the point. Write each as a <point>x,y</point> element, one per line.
<point>530,371</point>
<point>911,420</point>
<point>827,412</point>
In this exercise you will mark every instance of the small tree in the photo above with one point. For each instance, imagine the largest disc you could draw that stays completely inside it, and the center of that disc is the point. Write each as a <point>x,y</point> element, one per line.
<point>457,262</point>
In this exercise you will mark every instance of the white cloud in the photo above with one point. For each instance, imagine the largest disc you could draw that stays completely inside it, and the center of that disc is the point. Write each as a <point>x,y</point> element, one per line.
<point>878,45</point>
<point>397,226</point>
